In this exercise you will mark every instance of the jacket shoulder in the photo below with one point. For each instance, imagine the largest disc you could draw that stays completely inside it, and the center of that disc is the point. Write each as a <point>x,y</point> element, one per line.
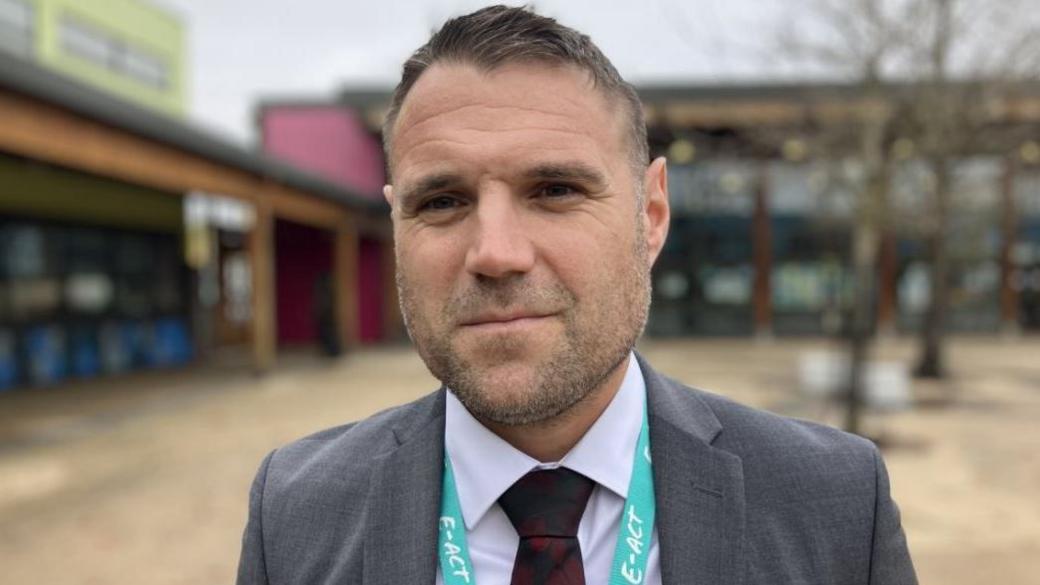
<point>753,432</point>
<point>344,454</point>
<point>797,467</point>
<point>812,488</point>
<point>786,458</point>
<point>308,503</point>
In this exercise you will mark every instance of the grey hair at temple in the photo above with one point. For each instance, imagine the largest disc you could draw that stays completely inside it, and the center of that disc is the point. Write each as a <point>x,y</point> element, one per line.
<point>497,35</point>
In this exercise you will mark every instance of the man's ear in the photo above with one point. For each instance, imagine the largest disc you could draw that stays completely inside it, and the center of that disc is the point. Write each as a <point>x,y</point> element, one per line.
<point>656,212</point>
<point>388,194</point>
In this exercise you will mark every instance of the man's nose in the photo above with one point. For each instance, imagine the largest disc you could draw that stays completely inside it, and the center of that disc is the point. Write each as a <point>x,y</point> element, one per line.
<point>501,244</point>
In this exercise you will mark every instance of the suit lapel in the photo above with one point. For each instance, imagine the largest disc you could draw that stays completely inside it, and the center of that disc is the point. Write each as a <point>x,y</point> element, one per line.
<point>405,494</point>
<point>699,488</point>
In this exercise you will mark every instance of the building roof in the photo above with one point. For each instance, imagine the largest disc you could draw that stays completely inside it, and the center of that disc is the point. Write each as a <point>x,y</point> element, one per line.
<point>20,76</point>
<point>723,97</point>
<point>655,92</point>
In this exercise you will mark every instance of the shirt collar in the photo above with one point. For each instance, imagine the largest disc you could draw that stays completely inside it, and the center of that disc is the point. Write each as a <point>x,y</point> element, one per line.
<point>485,466</point>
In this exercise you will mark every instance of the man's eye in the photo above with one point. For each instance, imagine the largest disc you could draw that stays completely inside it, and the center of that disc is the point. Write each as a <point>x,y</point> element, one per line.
<point>558,191</point>
<point>440,203</point>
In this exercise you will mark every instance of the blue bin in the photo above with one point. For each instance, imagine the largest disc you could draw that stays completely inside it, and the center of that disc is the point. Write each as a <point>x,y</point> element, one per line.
<point>138,338</point>
<point>172,342</point>
<point>46,354</point>
<point>84,353</point>
<point>116,354</point>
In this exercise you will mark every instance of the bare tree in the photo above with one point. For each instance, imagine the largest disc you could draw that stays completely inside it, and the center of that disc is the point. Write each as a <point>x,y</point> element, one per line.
<point>928,74</point>
<point>967,59</point>
<point>860,40</point>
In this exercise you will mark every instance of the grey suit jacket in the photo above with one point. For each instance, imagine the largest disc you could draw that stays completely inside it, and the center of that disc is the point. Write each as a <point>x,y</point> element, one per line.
<point>743,496</point>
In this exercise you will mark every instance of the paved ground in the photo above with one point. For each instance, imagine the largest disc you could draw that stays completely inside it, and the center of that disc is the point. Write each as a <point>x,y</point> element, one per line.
<point>143,480</point>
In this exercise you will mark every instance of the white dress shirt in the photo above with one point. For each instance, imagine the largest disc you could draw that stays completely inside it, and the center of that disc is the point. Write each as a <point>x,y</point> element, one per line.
<point>485,466</point>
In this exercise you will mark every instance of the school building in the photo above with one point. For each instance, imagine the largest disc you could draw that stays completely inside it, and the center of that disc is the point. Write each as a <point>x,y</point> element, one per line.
<point>130,239</point>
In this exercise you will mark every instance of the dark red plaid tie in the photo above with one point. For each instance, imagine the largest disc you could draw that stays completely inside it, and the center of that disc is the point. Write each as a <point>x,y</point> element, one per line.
<point>545,507</point>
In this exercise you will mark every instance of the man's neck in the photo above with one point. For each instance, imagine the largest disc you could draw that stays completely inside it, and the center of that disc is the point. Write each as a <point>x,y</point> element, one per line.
<point>549,440</point>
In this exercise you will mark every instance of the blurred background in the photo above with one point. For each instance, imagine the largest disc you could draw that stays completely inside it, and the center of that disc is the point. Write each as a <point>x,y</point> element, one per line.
<point>196,264</point>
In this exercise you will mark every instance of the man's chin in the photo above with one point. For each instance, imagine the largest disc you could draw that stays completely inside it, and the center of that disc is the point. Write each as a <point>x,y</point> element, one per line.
<point>513,378</point>
<point>507,352</point>
<point>500,387</point>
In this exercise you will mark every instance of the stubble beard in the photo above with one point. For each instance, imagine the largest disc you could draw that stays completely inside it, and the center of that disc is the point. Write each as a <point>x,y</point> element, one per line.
<point>596,340</point>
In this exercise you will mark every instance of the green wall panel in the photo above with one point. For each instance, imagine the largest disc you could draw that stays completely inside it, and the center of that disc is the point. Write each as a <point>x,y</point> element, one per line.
<point>43,191</point>
<point>133,23</point>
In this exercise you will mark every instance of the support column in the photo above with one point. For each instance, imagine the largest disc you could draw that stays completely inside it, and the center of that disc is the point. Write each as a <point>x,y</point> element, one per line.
<point>888,266</point>
<point>260,243</point>
<point>762,245</point>
<point>345,276</point>
<point>1009,296</point>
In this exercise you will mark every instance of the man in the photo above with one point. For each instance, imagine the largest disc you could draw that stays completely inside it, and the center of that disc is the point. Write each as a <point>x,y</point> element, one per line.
<point>526,219</point>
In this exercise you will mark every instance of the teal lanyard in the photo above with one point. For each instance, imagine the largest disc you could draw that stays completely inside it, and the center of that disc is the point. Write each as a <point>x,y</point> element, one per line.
<point>633,542</point>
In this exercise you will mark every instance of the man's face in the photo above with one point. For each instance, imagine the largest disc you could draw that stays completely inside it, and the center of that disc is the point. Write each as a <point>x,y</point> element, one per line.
<point>523,248</point>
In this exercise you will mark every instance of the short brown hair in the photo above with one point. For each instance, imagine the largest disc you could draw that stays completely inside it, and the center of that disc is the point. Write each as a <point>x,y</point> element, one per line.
<point>496,35</point>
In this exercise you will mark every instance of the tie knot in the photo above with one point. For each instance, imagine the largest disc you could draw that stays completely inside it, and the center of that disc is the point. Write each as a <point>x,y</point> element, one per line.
<point>547,502</point>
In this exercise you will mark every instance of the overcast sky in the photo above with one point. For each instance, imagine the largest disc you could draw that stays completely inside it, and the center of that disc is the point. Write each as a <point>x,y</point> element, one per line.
<point>241,51</point>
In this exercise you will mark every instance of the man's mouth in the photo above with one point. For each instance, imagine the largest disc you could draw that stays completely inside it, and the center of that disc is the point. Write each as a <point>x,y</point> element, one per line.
<point>505,319</point>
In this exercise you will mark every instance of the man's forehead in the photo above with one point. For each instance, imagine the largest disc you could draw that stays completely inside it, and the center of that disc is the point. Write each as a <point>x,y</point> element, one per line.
<point>454,95</point>
<point>563,87</point>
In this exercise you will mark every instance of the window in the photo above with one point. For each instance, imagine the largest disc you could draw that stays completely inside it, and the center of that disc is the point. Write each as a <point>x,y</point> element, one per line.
<point>29,257</point>
<point>103,50</point>
<point>16,27</point>
<point>144,68</point>
<point>85,43</point>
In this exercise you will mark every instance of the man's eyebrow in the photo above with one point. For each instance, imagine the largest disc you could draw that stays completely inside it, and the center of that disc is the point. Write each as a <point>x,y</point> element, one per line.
<point>578,172</point>
<point>411,193</point>
<point>569,171</point>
